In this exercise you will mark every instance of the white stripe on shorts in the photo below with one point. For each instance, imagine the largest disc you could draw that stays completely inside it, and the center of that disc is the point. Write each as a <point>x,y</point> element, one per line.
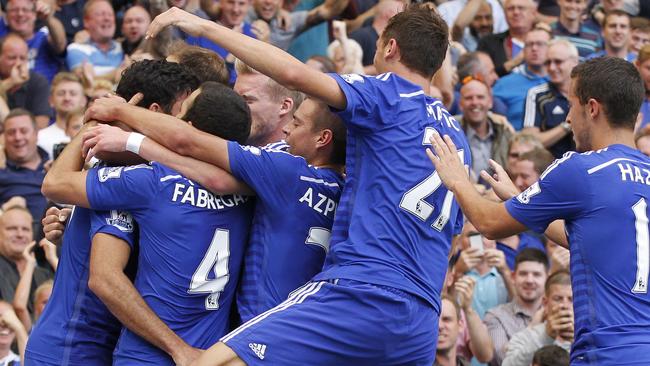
<point>295,297</point>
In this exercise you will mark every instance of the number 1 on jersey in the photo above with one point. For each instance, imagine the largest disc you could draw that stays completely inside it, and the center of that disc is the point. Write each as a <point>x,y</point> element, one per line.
<point>642,247</point>
<point>413,201</point>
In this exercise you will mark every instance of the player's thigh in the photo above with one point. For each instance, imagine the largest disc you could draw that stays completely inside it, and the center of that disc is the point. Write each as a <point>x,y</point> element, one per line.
<point>327,324</point>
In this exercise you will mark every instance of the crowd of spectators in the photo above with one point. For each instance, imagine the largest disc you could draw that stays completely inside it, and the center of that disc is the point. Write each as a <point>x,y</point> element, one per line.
<point>506,80</point>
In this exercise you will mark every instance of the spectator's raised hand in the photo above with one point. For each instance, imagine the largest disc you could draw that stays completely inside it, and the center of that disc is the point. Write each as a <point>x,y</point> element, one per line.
<point>468,259</point>
<point>28,254</point>
<point>50,252</point>
<point>464,289</point>
<point>495,258</point>
<point>54,223</point>
<point>559,323</point>
<point>9,319</point>
<point>261,30</point>
<point>560,259</point>
<point>15,201</point>
<point>44,9</point>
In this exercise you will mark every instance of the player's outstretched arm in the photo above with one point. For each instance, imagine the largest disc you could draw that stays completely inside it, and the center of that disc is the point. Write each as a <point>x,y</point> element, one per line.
<point>171,132</point>
<point>490,218</point>
<point>105,138</point>
<point>108,257</point>
<point>66,182</point>
<point>263,57</point>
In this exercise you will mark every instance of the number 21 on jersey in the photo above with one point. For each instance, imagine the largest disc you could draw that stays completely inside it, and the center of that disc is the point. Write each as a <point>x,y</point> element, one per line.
<point>413,201</point>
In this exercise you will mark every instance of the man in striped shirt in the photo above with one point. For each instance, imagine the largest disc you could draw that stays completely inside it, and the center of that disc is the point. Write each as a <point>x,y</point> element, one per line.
<point>570,26</point>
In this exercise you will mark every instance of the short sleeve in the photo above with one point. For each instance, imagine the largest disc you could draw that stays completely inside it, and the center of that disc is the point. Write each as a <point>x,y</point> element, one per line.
<point>270,173</point>
<point>122,187</point>
<point>369,100</point>
<point>117,223</point>
<point>560,193</point>
<point>74,57</point>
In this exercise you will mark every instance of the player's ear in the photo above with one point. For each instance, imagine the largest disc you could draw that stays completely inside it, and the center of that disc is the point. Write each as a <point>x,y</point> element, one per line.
<point>325,137</point>
<point>391,50</point>
<point>286,106</point>
<point>155,107</point>
<point>594,108</point>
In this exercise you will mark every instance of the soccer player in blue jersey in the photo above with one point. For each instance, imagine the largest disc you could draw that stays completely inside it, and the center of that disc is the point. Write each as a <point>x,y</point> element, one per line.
<point>602,195</point>
<point>378,295</point>
<point>191,242</point>
<point>297,194</point>
<point>76,328</point>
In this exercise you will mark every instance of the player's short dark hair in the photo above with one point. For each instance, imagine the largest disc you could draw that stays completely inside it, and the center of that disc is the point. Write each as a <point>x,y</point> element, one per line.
<point>205,64</point>
<point>159,81</point>
<point>540,157</point>
<point>219,111</point>
<point>560,277</point>
<point>422,37</point>
<point>325,119</point>
<point>551,356</point>
<point>614,83</point>
<point>531,255</point>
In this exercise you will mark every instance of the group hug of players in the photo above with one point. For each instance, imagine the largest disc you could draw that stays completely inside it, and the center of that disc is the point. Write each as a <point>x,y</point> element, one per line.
<point>212,222</point>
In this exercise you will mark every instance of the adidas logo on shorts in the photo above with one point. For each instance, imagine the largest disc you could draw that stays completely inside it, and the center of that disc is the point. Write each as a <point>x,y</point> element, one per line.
<point>258,349</point>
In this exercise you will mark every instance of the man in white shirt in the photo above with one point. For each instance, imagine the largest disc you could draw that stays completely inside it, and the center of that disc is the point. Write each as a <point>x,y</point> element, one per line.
<point>66,96</point>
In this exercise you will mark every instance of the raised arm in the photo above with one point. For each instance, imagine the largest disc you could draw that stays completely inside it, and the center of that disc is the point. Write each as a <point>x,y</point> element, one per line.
<point>105,138</point>
<point>326,11</point>
<point>464,19</point>
<point>56,37</point>
<point>65,182</point>
<point>173,133</point>
<point>263,57</point>
<point>21,296</point>
<point>108,259</point>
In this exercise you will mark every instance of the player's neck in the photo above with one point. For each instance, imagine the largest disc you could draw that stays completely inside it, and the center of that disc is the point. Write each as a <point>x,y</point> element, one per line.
<point>340,169</point>
<point>415,78</point>
<point>612,136</point>
<point>447,358</point>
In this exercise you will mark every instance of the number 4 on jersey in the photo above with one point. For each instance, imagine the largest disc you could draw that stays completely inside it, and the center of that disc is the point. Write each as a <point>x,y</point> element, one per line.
<point>413,201</point>
<point>216,257</point>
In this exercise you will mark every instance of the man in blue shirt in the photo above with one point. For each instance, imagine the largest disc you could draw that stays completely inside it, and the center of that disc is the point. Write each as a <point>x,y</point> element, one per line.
<point>189,284</point>
<point>47,44</point>
<point>393,226</point>
<point>306,184</point>
<point>512,88</point>
<point>616,37</point>
<point>77,328</point>
<point>602,197</point>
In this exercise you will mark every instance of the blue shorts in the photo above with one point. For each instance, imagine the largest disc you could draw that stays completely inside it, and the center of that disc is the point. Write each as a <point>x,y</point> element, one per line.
<point>340,322</point>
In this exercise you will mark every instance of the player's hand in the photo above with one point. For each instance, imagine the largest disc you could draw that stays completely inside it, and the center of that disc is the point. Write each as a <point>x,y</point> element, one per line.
<point>103,109</point>
<point>450,168</point>
<point>464,289</point>
<point>103,138</point>
<point>468,259</point>
<point>500,182</point>
<point>495,258</point>
<point>54,223</point>
<point>187,356</point>
<point>188,23</point>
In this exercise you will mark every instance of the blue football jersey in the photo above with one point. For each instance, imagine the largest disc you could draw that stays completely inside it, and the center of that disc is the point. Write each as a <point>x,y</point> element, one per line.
<point>395,220</point>
<point>76,328</point>
<point>291,230</point>
<point>603,197</point>
<point>191,246</point>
